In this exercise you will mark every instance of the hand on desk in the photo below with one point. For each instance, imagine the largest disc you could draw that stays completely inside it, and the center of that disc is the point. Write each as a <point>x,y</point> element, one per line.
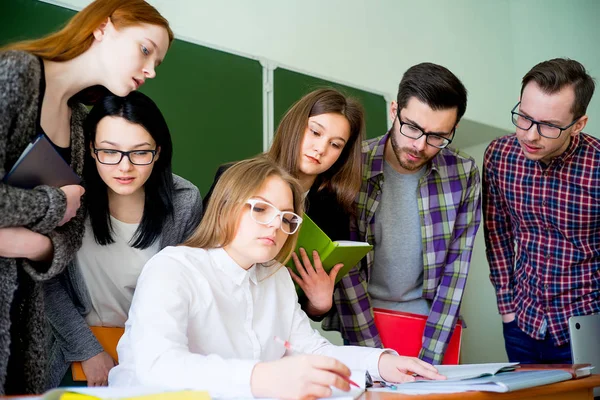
<point>314,281</point>
<point>96,369</point>
<point>400,369</point>
<point>299,377</point>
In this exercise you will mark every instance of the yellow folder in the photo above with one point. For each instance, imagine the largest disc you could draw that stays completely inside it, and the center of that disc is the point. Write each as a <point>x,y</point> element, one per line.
<point>180,395</point>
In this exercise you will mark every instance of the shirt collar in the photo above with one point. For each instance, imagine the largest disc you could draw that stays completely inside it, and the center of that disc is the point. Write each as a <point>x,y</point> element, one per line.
<point>230,268</point>
<point>561,159</point>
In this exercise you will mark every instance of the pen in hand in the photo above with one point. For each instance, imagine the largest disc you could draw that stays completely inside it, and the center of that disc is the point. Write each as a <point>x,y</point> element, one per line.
<point>291,348</point>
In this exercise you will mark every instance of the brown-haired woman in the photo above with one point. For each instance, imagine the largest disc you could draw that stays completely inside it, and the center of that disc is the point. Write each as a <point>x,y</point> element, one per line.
<point>115,44</point>
<point>318,142</point>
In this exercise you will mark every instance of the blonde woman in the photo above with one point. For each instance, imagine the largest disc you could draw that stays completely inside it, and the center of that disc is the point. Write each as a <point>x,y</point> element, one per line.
<point>204,314</point>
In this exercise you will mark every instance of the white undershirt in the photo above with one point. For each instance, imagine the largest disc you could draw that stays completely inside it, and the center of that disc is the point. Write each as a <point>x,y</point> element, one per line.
<point>110,272</point>
<point>198,320</point>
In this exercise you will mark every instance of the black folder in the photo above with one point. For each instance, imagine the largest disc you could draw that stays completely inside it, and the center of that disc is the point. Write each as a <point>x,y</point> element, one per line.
<point>41,164</point>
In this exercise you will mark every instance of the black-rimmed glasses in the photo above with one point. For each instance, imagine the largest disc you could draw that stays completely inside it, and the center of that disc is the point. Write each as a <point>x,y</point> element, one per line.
<point>114,157</point>
<point>432,139</point>
<point>545,129</point>
<point>264,213</point>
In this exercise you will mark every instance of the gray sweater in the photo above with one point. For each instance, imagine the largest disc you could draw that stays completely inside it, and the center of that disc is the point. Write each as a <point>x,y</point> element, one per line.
<point>22,340</point>
<point>68,302</point>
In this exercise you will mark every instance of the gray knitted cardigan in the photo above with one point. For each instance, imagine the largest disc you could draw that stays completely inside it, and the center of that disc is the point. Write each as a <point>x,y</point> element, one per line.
<point>68,301</point>
<point>40,210</point>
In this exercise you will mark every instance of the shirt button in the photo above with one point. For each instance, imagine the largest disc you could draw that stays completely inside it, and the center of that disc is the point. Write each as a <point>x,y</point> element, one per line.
<point>544,202</point>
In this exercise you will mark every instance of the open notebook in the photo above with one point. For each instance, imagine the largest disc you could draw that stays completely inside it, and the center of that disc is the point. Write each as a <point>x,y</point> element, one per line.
<point>492,377</point>
<point>468,371</point>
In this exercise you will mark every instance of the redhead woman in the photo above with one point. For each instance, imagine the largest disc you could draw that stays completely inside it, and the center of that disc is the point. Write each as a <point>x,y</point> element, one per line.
<point>111,44</point>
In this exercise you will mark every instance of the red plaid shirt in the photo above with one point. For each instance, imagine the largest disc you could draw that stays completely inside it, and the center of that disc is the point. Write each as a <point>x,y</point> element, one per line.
<point>542,232</point>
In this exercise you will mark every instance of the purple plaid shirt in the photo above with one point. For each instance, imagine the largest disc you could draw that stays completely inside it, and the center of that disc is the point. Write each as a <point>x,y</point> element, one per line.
<point>449,207</point>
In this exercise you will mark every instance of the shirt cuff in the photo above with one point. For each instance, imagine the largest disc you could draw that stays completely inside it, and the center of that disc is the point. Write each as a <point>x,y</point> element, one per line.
<point>505,303</point>
<point>373,363</point>
<point>240,377</point>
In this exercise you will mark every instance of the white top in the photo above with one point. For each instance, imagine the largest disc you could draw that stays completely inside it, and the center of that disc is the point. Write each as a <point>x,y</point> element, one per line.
<point>200,321</point>
<point>110,272</point>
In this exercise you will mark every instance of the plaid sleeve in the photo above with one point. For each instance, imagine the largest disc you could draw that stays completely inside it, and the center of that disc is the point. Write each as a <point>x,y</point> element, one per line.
<point>498,235</point>
<point>446,303</point>
<point>354,309</point>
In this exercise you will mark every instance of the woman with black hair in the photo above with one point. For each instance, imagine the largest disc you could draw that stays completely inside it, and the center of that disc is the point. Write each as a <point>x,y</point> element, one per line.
<point>135,207</point>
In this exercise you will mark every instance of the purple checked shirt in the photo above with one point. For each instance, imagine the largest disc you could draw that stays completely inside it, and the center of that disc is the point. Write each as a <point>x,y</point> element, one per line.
<point>449,207</point>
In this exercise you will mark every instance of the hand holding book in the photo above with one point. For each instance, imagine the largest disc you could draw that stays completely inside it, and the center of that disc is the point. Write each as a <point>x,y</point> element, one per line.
<point>73,195</point>
<point>41,164</point>
<point>314,281</point>
<point>331,253</point>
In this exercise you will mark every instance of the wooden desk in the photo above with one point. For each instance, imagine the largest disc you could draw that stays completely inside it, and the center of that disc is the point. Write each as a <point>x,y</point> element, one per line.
<point>577,389</point>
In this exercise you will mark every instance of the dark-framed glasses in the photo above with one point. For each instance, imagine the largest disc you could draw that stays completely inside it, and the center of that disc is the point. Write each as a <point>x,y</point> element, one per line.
<point>264,213</point>
<point>432,139</point>
<point>114,157</point>
<point>545,129</point>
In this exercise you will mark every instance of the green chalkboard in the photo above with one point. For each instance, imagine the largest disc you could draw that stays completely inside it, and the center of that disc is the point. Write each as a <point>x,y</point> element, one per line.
<point>290,86</point>
<point>30,19</point>
<point>211,100</point>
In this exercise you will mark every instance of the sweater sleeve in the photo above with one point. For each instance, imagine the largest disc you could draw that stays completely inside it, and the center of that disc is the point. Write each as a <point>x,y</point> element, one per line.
<point>189,208</point>
<point>69,328</point>
<point>39,209</point>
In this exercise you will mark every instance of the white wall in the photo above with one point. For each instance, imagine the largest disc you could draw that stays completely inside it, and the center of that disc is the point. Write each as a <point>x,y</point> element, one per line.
<point>365,43</point>
<point>545,29</point>
<point>482,340</point>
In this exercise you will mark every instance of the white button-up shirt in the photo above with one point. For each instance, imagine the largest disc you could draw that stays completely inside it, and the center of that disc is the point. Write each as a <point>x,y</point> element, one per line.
<point>200,321</point>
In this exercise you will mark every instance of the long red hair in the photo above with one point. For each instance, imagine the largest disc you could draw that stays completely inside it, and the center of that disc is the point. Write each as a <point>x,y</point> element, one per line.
<point>78,35</point>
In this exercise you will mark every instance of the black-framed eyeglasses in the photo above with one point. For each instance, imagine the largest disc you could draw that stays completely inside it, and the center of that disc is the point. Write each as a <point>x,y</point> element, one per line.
<point>114,157</point>
<point>545,129</point>
<point>432,139</point>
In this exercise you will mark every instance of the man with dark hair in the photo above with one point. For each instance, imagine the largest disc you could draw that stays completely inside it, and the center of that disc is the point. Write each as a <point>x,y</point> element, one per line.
<point>542,214</point>
<point>419,206</point>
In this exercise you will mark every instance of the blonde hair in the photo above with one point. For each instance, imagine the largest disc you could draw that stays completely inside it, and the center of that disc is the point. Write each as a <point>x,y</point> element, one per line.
<point>78,34</point>
<point>236,185</point>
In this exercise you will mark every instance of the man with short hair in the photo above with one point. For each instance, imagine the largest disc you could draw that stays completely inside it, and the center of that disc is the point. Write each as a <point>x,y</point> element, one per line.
<point>419,206</point>
<point>542,214</point>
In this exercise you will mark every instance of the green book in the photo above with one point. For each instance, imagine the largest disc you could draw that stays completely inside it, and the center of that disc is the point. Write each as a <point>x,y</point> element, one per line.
<point>347,252</point>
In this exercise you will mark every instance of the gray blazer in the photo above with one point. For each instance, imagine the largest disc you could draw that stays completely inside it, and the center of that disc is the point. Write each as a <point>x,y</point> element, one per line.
<point>22,340</point>
<point>68,302</point>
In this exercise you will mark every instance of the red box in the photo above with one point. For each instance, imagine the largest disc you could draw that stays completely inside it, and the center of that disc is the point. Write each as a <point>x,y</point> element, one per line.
<point>403,332</point>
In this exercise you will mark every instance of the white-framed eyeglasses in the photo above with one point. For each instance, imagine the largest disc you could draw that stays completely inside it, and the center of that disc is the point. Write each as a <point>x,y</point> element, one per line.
<point>264,213</point>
